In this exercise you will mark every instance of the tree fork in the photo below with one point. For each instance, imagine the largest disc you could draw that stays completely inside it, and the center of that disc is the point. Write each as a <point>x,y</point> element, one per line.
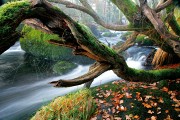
<point>83,42</point>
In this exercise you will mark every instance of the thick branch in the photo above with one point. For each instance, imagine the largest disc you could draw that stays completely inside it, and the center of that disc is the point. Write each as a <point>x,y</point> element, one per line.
<point>148,76</point>
<point>94,72</point>
<point>79,38</point>
<point>168,38</point>
<point>171,19</point>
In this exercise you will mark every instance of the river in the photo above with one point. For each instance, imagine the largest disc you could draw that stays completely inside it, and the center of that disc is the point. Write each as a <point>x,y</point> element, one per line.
<point>24,85</point>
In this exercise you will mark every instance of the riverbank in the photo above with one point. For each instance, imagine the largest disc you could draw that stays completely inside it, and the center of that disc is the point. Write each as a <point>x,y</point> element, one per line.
<point>120,100</point>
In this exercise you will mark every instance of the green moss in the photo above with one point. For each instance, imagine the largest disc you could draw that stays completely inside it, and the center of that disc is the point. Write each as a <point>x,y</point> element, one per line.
<point>9,12</point>
<point>91,41</point>
<point>63,67</point>
<point>154,75</point>
<point>142,40</point>
<point>128,11</point>
<point>35,43</point>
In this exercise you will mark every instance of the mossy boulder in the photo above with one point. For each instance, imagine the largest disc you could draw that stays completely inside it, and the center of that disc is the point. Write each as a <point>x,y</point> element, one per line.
<point>143,40</point>
<point>36,43</point>
<point>63,67</point>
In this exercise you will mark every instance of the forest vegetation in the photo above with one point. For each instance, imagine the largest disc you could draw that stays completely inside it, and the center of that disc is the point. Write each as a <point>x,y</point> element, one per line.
<point>156,23</point>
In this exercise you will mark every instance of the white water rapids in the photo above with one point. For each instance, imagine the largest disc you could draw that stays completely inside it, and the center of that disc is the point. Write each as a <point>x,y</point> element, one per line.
<point>24,93</point>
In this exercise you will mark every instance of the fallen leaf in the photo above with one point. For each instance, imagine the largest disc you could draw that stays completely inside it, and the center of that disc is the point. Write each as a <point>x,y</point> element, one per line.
<point>121,101</point>
<point>161,100</point>
<point>168,118</point>
<point>166,111</point>
<point>113,110</point>
<point>147,105</point>
<point>153,118</point>
<point>128,95</point>
<point>117,118</point>
<point>138,95</point>
<point>150,111</point>
<point>165,89</point>
<point>177,109</point>
<point>136,116</point>
<point>122,108</point>
<point>127,117</point>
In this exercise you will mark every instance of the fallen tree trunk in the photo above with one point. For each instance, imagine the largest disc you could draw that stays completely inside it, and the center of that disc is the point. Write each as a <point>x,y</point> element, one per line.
<point>83,42</point>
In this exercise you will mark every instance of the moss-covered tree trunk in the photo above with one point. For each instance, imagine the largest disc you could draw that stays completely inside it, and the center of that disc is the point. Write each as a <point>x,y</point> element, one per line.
<point>81,40</point>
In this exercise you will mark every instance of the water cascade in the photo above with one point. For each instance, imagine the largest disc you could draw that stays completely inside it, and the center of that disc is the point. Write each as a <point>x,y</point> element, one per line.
<point>24,88</point>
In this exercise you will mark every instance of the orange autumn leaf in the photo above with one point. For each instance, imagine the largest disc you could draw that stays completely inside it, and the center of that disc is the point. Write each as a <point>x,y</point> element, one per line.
<point>177,109</point>
<point>161,100</point>
<point>150,111</point>
<point>147,105</point>
<point>138,95</point>
<point>136,117</point>
<point>153,118</point>
<point>128,95</point>
<point>165,89</point>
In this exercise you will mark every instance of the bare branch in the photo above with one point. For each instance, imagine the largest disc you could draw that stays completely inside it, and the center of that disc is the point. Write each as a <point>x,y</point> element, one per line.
<point>163,5</point>
<point>88,10</point>
<point>94,72</point>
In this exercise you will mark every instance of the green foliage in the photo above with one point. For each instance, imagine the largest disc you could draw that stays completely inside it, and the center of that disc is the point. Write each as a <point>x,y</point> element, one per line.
<point>74,106</point>
<point>9,12</point>
<point>63,67</point>
<point>142,40</point>
<point>36,43</point>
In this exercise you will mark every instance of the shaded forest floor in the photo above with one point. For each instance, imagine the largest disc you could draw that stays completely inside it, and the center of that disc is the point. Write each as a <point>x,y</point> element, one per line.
<point>121,100</point>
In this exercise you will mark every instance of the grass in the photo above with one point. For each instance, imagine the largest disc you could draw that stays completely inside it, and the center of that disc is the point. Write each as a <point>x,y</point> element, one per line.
<point>116,100</point>
<point>75,106</point>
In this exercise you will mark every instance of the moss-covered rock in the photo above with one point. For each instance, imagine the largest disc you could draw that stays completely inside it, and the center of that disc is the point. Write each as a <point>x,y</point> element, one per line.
<point>63,67</point>
<point>36,43</point>
<point>143,40</point>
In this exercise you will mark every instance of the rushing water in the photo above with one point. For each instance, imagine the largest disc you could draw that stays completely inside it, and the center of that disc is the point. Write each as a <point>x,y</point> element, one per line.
<point>24,86</point>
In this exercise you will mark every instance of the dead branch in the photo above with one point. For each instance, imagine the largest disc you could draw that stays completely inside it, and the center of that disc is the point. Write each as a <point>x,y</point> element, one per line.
<point>94,72</point>
<point>87,9</point>
<point>163,5</point>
